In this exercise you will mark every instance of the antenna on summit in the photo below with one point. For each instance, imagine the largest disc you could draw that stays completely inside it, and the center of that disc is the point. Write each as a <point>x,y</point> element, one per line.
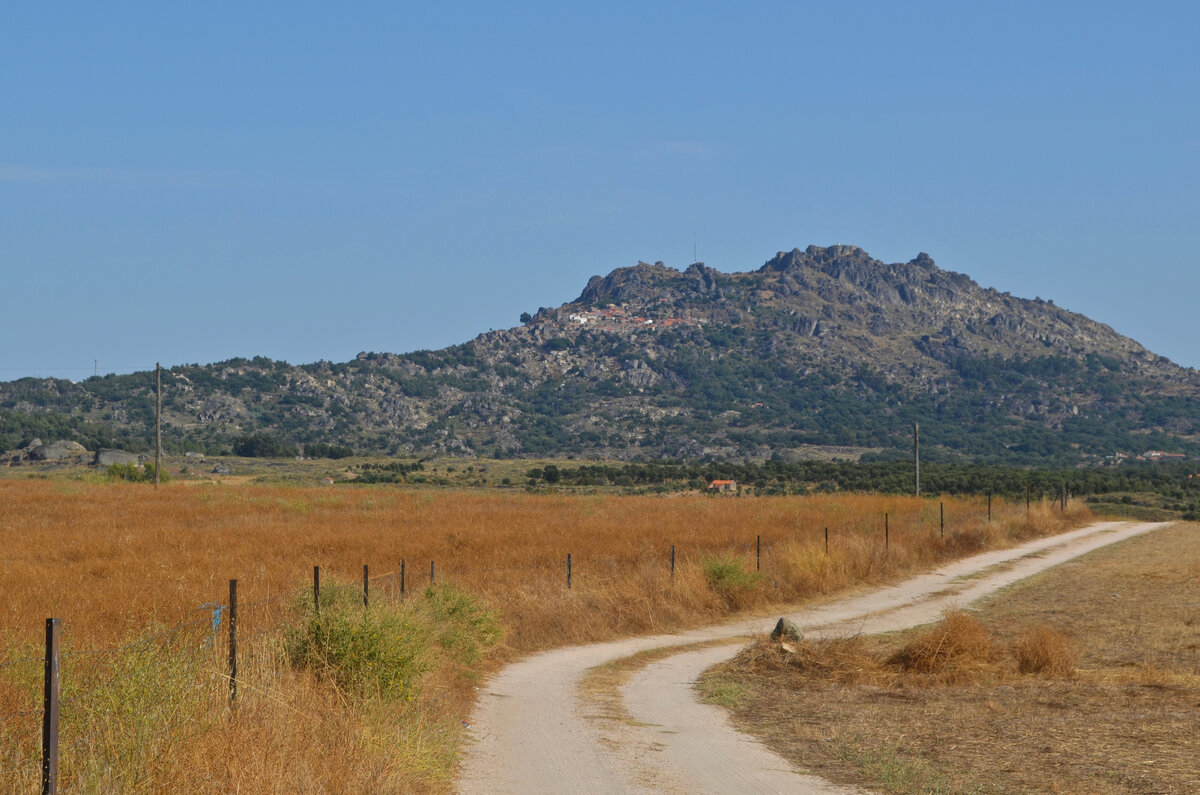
<point>694,257</point>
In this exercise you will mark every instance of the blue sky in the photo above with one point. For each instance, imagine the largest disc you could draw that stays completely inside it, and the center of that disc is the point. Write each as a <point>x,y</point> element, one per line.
<point>299,181</point>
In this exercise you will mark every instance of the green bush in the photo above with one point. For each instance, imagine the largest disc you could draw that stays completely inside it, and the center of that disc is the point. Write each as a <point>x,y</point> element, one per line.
<point>727,575</point>
<point>466,629</point>
<point>385,650</point>
<point>262,445</point>
<point>325,450</point>
<point>134,473</point>
<point>377,651</point>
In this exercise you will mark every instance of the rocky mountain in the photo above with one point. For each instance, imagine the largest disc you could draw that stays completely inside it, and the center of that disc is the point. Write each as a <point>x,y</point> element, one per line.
<point>820,352</point>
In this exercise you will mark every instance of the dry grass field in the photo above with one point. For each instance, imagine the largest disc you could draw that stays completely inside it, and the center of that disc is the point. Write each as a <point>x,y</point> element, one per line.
<point>134,573</point>
<point>1085,679</point>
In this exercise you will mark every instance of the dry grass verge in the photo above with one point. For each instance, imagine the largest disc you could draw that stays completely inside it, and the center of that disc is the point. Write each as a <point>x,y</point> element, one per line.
<point>1086,679</point>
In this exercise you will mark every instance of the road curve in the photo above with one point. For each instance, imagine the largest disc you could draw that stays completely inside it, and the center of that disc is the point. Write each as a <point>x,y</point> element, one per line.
<point>532,732</point>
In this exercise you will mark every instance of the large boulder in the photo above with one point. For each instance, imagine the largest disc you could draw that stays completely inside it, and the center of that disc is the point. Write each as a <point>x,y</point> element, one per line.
<point>107,457</point>
<point>57,451</point>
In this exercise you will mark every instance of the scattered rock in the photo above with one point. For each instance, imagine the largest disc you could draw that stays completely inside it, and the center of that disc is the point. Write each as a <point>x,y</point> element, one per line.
<point>786,630</point>
<point>222,469</point>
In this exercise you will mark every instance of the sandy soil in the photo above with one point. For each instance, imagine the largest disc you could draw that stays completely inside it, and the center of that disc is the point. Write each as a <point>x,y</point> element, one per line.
<point>535,732</point>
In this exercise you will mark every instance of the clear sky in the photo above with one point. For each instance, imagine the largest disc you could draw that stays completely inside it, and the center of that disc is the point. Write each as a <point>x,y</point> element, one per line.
<point>191,182</point>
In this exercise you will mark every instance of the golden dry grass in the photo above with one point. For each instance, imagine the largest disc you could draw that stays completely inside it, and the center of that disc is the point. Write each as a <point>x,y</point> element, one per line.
<point>1044,650</point>
<point>111,560</point>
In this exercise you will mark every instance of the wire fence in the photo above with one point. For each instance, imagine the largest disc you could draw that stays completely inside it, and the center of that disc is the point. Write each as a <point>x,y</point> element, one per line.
<point>108,695</point>
<point>118,703</point>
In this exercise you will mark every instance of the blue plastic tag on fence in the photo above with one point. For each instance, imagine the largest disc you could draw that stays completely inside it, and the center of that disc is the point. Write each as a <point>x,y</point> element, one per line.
<point>216,611</point>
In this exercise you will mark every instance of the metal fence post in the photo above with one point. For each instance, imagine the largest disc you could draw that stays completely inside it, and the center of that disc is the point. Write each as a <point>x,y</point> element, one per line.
<point>50,710</point>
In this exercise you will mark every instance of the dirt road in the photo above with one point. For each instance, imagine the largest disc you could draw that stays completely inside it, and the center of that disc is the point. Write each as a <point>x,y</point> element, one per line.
<point>533,732</point>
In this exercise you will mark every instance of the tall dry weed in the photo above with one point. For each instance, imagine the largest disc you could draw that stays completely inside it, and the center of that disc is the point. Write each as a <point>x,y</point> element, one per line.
<point>957,641</point>
<point>1043,650</point>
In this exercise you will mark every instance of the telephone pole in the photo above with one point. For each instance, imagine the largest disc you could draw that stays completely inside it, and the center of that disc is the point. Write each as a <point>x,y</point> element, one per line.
<point>157,422</point>
<point>917,455</point>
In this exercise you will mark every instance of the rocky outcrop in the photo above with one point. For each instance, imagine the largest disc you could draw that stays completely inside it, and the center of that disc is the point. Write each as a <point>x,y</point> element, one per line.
<point>57,451</point>
<point>642,282</point>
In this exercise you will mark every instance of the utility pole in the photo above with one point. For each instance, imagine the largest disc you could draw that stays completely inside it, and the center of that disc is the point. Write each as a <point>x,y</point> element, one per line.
<point>157,423</point>
<point>917,456</point>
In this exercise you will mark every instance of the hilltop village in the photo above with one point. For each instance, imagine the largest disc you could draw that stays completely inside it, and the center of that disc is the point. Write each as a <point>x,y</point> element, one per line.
<point>618,318</point>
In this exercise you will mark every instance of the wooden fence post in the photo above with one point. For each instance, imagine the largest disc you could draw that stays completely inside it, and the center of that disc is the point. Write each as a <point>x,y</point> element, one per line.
<point>233,618</point>
<point>989,506</point>
<point>50,710</point>
<point>431,573</point>
<point>758,553</point>
<point>568,571</point>
<point>917,458</point>
<point>886,533</point>
<point>826,542</point>
<point>401,578</point>
<point>942,519</point>
<point>366,586</point>
<point>316,589</point>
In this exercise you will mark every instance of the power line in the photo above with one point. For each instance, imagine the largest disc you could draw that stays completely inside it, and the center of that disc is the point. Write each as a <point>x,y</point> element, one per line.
<point>122,369</point>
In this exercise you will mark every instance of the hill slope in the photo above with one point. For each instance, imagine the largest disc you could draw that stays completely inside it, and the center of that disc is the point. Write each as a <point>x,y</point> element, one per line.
<point>818,349</point>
